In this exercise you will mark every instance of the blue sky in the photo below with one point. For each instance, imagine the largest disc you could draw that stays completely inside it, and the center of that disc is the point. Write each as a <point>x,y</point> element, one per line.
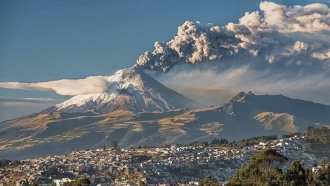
<point>44,40</point>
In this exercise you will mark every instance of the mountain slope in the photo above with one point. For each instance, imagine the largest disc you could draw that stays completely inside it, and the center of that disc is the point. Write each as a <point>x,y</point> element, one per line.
<point>128,89</point>
<point>245,115</point>
<point>249,104</point>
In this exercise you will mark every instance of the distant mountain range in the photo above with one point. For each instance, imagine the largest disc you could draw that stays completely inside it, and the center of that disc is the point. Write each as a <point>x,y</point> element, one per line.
<point>137,110</point>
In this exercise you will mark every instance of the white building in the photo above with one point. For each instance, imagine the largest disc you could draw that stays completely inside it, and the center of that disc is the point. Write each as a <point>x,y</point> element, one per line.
<point>60,182</point>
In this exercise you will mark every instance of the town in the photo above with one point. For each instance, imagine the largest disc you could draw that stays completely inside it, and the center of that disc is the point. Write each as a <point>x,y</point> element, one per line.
<point>170,164</point>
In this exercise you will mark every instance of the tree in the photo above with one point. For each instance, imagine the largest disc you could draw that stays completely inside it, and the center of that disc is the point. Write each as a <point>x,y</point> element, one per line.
<point>80,181</point>
<point>215,142</point>
<point>262,170</point>
<point>310,177</point>
<point>296,174</point>
<point>114,145</point>
<point>224,141</point>
<point>208,181</point>
<point>319,135</point>
<point>323,176</point>
<point>219,142</point>
<point>65,184</point>
<point>322,162</point>
<point>141,183</point>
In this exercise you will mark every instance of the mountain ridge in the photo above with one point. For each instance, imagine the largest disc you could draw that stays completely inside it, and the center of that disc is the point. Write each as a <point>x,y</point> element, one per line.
<point>245,115</point>
<point>280,103</point>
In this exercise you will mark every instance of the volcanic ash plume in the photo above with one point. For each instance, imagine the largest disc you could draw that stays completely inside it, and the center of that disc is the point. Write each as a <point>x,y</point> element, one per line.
<point>275,35</point>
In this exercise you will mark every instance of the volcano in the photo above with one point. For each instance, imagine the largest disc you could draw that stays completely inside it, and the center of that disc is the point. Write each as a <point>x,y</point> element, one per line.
<point>128,89</point>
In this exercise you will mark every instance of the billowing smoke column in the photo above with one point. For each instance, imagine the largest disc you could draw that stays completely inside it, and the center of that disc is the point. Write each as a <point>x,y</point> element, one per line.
<point>194,43</point>
<point>277,35</point>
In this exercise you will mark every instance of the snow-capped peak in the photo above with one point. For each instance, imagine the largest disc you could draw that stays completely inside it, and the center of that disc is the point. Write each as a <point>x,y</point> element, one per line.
<point>129,89</point>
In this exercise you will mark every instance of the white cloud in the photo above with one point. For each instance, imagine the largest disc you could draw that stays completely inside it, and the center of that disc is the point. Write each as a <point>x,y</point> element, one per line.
<point>15,107</point>
<point>26,100</point>
<point>69,87</point>
<point>276,33</point>
<point>300,46</point>
<point>322,55</point>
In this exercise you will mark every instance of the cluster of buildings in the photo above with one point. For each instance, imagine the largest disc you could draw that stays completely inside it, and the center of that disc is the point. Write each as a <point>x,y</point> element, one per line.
<point>294,148</point>
<point>184,165</point>
<point>188,164</point>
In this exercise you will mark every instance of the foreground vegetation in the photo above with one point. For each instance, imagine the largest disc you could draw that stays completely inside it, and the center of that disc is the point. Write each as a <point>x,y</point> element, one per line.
<point>264,169</point>
<point>318,135</point>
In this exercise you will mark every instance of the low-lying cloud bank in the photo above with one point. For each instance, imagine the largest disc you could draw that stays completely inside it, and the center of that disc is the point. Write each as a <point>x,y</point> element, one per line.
<point>15,107</point>
<point>67,87</point>
<point>211,86</point>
